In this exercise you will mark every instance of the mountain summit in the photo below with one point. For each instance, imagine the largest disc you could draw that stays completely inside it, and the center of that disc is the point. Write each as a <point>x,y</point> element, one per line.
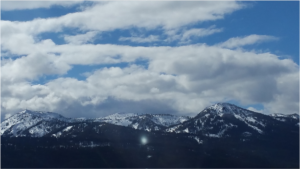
<point>33,122</point>
<point>224,108</point>
<point>224,120</point>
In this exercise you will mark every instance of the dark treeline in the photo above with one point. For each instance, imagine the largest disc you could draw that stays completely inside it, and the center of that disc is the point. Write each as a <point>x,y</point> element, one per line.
<point>119,150</point>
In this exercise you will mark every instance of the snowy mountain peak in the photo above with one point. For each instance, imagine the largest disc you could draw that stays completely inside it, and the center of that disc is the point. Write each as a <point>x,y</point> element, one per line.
<point>26,119</point>
<point>223,119</point>
<point>225,108</point>
<point>146,122</point>
<point>222,107</point>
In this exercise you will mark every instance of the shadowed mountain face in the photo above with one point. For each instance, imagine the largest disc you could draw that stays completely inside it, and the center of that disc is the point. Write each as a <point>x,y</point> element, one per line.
<point>222,135</point>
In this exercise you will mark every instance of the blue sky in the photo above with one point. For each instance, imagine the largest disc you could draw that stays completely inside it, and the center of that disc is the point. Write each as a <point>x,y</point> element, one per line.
<point>83,59</point>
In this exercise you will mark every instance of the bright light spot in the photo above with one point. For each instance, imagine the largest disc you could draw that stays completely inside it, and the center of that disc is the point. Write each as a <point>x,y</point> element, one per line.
<point>144,140</point>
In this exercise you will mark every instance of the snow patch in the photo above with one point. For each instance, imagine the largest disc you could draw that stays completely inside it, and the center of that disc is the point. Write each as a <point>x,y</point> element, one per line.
<point>247,134</point>
<point>186,130</point>
<point>57,135</point>
<point>213,135</point>
<point>135,125</point>
<point>67,128</point>
<point>254,127</point>
<point>198,140</point>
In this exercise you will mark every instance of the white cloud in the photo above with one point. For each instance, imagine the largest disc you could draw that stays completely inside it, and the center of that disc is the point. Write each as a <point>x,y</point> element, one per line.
<point>6,116</point>
<point>182,79</point>
<point>81,38</point>
<point>247,40</point>
<point>150,15</point>
<point>286,100</point>
<point>25,5</point>
<point>22,37</point>
<point>31,67</point>
<point>186,79</point>
<point>254,109</point>
<point>140,39</point>
<point>184,36</point>
<point>198,33</point>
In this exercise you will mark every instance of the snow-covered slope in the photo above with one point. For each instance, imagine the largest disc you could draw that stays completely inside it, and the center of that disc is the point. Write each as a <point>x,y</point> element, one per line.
<point>146,122</point>
<point>224,119</point>
<point>38,124</point>
<point>121,119</point>
<point>218,120</point>
<point>18,123</point>
<point>167,119</point>
<point>285,117</point>
<point>156,122</point>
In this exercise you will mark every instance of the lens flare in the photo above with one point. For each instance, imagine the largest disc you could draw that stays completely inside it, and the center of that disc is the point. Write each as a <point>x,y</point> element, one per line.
<point>144,140</point>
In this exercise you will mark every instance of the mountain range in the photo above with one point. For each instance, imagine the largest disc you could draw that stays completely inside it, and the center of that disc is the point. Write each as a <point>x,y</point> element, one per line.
<point>219,120</point>
<point>222,133</point>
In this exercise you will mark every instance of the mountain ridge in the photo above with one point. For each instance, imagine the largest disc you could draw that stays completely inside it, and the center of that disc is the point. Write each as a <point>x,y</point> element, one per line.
<point>219,136</point>
<point>225,119</point>
<point>218,120</point>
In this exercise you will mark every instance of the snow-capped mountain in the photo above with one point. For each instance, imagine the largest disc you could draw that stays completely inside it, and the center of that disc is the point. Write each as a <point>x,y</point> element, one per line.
<point>121,119</point>
<point>38,124</point>
<point>224,119</point>
<point>219,120</point>
<point>146,122</point>
<point>220,134</point>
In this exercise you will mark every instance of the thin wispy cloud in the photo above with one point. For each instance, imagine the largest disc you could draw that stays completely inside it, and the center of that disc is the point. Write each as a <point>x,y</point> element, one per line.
<point>140,39</point>
<point>25,5</point>
<point>247,40</point>
<point>198,33</point>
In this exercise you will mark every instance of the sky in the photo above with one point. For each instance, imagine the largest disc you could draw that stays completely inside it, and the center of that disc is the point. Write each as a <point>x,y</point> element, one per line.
<point>94,58</point>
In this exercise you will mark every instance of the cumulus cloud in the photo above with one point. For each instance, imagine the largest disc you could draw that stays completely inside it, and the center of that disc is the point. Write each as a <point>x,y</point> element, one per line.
<point>186,79</point>
<point>31,67</point>
<point>286,100</point>
<point>174,79</point>
<point>247,40</point>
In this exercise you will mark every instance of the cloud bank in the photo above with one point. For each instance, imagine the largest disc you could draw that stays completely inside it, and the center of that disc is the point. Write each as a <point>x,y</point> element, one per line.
<point>180,79</point>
